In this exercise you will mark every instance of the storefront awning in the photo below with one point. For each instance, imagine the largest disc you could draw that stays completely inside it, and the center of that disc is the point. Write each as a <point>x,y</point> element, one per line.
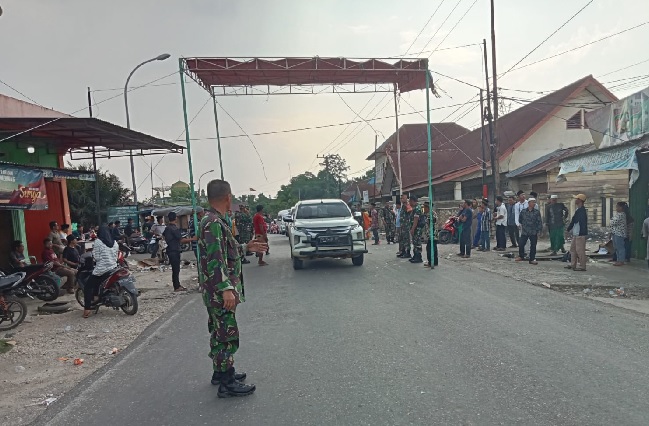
<point>78,137</point>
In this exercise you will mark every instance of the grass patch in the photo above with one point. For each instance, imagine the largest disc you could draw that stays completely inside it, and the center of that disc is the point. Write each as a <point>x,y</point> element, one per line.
<point>4,346</point>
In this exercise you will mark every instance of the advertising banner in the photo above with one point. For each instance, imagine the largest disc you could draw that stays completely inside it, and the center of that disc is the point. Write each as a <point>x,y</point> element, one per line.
<point>623,121</point>
<point>22,189</point>
<point>123,213</point>
<point>611,159</point>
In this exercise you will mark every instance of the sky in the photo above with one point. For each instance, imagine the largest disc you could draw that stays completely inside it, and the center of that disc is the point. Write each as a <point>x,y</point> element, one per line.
<point>52,51</point>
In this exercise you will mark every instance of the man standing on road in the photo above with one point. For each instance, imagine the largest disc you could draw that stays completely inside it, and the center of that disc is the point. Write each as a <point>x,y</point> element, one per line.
<point>388,219</point>
<point>222,288</point>
<point>397,223</point>
<point>512,229</point>
<point>259,225</point>
<point>466,218</point>
<point>531,227</point>
<point>406,223</point>
<point>501,224</point>
<point>418,223</point>
<point>485,227</point>
<point>579,228</point>
<point>555,216</point>
<point>518,208</point>
<point>375,224</point>
<point>174,239</point>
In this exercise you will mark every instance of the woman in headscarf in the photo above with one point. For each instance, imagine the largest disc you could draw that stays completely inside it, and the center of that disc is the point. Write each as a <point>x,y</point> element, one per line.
<point>104,250</point>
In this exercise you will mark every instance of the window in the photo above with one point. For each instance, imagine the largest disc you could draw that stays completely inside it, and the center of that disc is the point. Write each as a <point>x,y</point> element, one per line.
<point>576,121</point>
<point>322,210</point>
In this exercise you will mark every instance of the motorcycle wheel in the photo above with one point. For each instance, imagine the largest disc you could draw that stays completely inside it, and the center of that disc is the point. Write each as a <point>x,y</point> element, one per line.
<point>130,305</point>
<point>184,247</point>
<point>444,237</point>
<point>141,248</point>
<point>78,294</point>
<point>12,314</point>
<point>50,291</point>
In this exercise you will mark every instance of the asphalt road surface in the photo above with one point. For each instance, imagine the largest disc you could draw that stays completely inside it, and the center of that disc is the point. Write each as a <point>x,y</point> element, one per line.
<point>387,343</point>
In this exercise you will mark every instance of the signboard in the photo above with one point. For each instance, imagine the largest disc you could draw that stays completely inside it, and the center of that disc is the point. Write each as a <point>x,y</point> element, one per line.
<point>366,196</point>
<point>123,213</point>
<point>623,158</point>
<point>22,189</point>
<point>68,174</point>
<point>625,120</point>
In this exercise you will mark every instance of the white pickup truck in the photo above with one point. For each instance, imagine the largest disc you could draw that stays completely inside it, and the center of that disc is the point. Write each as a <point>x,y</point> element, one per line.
<point>325,228</point>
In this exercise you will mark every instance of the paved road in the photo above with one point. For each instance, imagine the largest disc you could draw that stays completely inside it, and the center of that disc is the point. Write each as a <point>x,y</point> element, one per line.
<point>383,344</point>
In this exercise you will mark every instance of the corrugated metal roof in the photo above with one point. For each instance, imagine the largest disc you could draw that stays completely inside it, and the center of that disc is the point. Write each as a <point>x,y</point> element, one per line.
<point>549,161</point>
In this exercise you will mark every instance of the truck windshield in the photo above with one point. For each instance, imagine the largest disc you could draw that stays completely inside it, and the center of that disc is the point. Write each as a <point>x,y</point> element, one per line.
<point>322,211</point>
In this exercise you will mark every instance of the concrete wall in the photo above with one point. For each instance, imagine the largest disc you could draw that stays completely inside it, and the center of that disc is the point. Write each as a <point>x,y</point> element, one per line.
<point>12,107</point>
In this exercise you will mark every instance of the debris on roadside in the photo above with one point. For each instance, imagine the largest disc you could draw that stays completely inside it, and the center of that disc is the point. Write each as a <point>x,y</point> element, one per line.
<point>546,285</point>
<point>113,351</point>
<point>46,401</point>
<point>78,361</point>
<point>618,292</point>
<point>587,290</point>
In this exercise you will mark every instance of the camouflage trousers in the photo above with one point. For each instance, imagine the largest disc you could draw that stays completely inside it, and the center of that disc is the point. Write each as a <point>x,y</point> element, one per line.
<point>245,235</point>
<point>224,338</point>
<point>416,240</point>
<point>404,238</point>
<point>389,232</point>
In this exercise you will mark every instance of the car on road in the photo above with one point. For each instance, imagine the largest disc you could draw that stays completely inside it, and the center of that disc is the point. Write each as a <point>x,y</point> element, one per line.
<point>324,228</point>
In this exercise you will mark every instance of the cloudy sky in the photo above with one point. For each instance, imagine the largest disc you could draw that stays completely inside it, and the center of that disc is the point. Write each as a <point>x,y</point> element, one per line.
<point>53,50</point>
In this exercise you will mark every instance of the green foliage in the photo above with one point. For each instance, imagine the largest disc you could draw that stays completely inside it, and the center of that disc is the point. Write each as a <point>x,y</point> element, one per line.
<point>81,195</point>
<point>180,195</point>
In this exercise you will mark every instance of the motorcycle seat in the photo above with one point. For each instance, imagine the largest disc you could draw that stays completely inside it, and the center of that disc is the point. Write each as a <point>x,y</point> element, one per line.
<point>29,268</point>
<point>8,281</point>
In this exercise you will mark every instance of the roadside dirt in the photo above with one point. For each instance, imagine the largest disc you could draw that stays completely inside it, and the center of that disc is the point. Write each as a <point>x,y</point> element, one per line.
<point>40,367</point>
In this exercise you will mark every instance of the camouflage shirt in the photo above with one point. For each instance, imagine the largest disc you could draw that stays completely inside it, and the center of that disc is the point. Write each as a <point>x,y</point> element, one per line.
<point>220,260</point>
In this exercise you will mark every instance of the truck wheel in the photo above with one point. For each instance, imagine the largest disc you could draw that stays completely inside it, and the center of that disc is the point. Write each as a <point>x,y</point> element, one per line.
<point>358,260</point>
<point>298,263</point>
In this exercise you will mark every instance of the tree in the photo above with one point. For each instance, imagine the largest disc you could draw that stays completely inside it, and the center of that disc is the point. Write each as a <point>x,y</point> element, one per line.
<point>81,195</point>
<point>180,195</point>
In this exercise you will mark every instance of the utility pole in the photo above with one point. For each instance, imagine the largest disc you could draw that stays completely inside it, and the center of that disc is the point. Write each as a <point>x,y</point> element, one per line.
<point>94,165</point>
<point>482,142</point>
<point>376,141</point>
<point>495,163</point>
<point>491,124</point>
<point>326,163</point>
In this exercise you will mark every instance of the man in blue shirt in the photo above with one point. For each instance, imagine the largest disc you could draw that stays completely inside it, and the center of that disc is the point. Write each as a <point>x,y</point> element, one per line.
<point>466,220</point>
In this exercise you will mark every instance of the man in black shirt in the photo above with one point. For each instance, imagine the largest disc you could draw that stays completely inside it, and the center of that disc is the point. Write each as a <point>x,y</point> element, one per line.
<point>129,230</point>
<point>71,255</point>
<point>115,232</point>
<point>174,239</point>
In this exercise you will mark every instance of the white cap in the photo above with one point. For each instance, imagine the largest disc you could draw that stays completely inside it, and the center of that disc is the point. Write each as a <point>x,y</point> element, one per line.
<point>554,196</point>
<point>531,199</point>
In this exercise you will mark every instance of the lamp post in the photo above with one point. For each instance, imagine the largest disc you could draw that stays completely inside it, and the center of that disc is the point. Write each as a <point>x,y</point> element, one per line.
<point>128,120</point>
<point>199,182</point>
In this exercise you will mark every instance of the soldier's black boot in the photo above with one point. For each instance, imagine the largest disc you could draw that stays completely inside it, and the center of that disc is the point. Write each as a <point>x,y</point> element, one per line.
<point>239,377</point>
<point>407,255</point>
<point>229,387</point>
<point>416,259</point>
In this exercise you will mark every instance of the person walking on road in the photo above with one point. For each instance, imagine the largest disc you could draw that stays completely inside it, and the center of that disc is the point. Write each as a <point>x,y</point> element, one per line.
<point>466,219</point>
<point>555,216</point>
<point>222,287</point>
<point>174,239</point>
<point>501,224</point>
<point>531,227</point>
<point>512,228</point>
<point>259,225</point>
<point>375,226</point>
<point>579,228</point>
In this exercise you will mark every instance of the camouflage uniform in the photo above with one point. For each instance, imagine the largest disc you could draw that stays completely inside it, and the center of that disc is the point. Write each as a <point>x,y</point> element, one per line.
<point>390,221</point>
<point>244,224</point>
<point>417,211</point>
<point>220,271</point>
<point>406,224</point>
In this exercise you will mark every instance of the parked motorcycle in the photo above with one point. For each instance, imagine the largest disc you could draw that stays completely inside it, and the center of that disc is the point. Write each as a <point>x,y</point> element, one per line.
<point>117,289</point>
<point>449,233</point>
<point>158,246</point>
<point>12,311</point>
<point>185,246</point>
<point>38,282</point>
<point>138,243</point>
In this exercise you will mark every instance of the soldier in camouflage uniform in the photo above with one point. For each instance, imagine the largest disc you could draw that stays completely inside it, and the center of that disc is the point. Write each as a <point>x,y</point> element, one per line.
<point>222,287</point>
<point>406,224</point>
<point>417,224</point>
<point>389,219</point>
<point>245,224</point>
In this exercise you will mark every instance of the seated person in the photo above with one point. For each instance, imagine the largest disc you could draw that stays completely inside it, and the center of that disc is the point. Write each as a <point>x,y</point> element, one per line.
<point>58,268</point>
<point>71,255</point>
<point>17,255</point>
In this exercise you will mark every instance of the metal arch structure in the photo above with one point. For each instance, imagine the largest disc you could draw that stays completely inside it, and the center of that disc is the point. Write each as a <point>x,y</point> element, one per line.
<point>250,76</point>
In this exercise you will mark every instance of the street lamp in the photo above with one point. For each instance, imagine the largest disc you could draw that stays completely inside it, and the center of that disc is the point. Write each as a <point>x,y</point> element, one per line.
<point>199,181</point>
<point>128,120</point>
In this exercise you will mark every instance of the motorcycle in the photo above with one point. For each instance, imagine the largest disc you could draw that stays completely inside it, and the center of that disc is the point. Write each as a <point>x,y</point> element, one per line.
<point>158,246</point>
<point>449,233</point>
<point>38,282</point>
<point>138,243</point>
<point>12,311</point>
<point>117,289</point>
<point>185,246</point>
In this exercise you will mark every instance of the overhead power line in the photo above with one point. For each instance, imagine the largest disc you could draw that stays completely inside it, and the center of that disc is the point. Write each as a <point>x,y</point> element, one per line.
<point>452,29</point>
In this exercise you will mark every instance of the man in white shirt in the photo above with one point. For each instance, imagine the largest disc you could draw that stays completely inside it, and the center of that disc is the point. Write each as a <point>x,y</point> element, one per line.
<point>501,224</point>
<point>518,208</point>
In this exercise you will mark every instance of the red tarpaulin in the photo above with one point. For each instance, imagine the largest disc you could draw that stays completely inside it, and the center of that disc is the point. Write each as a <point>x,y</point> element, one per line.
<point>228,72</point>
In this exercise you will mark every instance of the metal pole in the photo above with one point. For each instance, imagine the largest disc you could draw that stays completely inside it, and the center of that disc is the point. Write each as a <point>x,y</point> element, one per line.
<point>94,166</point>
<point>218,136</point>
<point>430,172</point>
<point>494,147</point>
<point>376,140</point>
<point>482,142</point>
<point>396,121</point>
<point>151,182</point>
<point>189,160</point>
